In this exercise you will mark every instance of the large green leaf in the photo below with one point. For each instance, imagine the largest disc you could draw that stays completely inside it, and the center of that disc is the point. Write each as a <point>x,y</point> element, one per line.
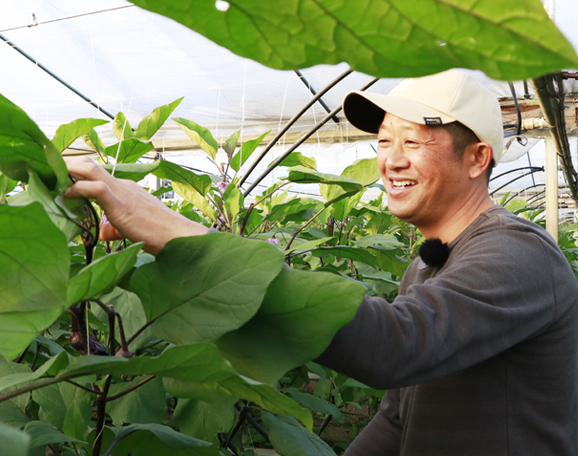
<point>67,134</point>
<point>14,442</point>
<point>190,194</point>
<point>263,395</point>
<point>66,214</point>
<point>289,438</point>
<point>157,439</point>
<point>297,159</point>
<point>34,263</point>
<point>146,404</point>
<point>200,135</point>
<point>364,171</point>
<point>345,251</point>
<point>66,407</point>
<point>168,170</point>
<point>204,420</point>
<point>246,150</point>
<point>202,287</point>
<point>300,315</point>
<point>345,185</point>
<point>101,275</point>
<point>508,40</point>
<point>155,120</point>
<point>43,434</point>
<point>199,364</point>
<point>294,206</point>
<point>24,148</point>
<point>121,127</point>
<point>129,150</point>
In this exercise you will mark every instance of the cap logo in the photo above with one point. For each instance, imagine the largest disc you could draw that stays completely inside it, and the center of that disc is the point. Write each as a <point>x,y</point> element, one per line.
<point>433,120</point>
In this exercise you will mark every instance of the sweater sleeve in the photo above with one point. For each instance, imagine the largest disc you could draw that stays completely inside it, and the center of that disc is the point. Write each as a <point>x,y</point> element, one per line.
<point>494,292</point>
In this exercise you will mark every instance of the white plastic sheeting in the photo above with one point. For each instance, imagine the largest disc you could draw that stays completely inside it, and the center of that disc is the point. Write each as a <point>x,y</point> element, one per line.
<point>127,59</point>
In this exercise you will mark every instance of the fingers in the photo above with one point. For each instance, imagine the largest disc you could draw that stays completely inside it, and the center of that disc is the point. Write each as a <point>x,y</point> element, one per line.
<point>84,168</point>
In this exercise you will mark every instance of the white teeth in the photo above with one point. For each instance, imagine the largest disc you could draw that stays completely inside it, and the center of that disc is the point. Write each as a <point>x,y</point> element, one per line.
<point>401,184</point>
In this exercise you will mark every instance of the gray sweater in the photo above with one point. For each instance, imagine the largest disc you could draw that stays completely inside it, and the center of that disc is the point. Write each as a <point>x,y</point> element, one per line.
<point>479,356</point>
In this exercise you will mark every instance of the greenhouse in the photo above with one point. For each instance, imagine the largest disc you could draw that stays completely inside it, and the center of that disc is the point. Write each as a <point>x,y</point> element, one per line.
<point>151,340</point>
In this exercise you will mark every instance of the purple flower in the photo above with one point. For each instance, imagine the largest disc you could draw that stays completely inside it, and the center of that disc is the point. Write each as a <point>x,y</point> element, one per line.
<point>222,186</point>
<point>273,241</point>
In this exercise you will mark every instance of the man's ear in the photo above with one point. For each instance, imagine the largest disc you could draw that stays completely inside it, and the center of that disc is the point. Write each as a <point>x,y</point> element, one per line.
<point>480,156</point>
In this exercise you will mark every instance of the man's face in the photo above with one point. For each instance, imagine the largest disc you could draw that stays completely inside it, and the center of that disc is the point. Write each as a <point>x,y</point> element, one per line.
<point>426,183</point>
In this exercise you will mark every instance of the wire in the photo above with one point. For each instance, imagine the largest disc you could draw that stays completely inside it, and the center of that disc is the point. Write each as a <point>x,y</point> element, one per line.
<point>36,23</point>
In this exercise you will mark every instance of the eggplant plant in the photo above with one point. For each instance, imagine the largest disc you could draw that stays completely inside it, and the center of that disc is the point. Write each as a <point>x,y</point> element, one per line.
<point>106,350</point>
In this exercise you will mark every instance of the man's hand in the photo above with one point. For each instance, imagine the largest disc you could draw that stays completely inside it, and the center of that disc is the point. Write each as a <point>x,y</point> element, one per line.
<point>131,211</point>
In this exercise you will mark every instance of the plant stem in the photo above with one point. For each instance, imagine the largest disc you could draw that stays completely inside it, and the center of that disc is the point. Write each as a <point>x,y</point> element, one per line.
<point>305,225</point>
<point>100,415</point>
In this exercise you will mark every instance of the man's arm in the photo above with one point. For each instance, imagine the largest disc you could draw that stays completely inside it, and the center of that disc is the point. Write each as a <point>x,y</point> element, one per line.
<point>132,212</point>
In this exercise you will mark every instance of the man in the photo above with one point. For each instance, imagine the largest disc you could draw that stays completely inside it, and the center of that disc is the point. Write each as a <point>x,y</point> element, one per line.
<point>479,352</point>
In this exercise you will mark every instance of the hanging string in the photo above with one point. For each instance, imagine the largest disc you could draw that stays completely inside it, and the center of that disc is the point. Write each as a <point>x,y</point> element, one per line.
<point>142,50</point>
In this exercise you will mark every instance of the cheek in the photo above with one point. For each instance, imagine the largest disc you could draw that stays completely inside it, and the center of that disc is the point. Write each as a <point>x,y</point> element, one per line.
<point>381,162</point>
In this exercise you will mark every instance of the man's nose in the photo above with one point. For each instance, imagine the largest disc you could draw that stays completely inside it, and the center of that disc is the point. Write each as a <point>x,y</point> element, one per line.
<point>396,158</point>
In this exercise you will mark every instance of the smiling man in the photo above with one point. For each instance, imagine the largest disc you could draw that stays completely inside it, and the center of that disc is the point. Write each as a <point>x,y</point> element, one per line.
<point>478,351</point>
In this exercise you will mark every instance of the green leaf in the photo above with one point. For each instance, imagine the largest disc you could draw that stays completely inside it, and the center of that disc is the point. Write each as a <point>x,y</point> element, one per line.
<point>246,150</point>
<point>232,202</point>
<point>146,404</point>
<point>382,241</point>
<point>70,132</point>
<point>65,213</point>
<point>6,186</point>
<point>101,275</point>
<point>24,148</point>
<point>132,171</point>
<point>345,251</point>
<point>14,442</point>
<point>300,246</point>
<point>189,193</point>
<point>157,439</point>
<point>201,287</point>
<point>508,40</point>
<point>298,159</point>
<point>43,434</point>
<point>280,211</point>
<point>121,127</point>
<point>199,364</point>
<point>66,407</point>
<point>315,403</point>
<point>345,186</point>
<point>129,150</point>
<point>155,120</point>
<point>363,171</point>
<point>34,263</point>
<point>301,313</point>
<point>203,420</point>
<point>93,141</point>
<point>168,170</point>
<point>231,143</point>
<point>289,438</point>
<point>200,135</point>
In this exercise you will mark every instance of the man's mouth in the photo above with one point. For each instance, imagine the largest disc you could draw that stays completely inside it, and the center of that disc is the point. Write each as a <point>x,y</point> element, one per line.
<point>402,183</point>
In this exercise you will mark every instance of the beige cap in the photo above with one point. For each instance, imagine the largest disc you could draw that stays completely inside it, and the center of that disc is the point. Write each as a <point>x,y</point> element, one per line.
<point>450,96</point>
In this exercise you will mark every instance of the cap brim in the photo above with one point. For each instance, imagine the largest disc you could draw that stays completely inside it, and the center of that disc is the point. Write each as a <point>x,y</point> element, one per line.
<point>366,111</point>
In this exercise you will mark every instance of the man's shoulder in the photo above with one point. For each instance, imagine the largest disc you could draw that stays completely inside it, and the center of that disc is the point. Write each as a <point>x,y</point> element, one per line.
<point>498,220</point>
